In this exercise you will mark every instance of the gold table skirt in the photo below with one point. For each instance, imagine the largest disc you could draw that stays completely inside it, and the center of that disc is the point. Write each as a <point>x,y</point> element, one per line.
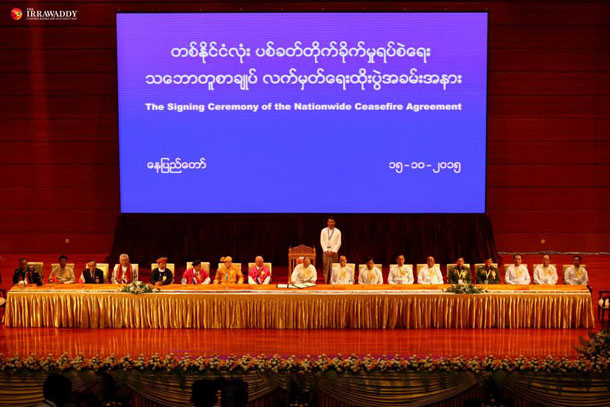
<point>319,307</point>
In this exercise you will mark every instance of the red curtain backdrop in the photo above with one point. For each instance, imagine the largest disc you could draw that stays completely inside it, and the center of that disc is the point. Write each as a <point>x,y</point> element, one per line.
<point>186,237</point>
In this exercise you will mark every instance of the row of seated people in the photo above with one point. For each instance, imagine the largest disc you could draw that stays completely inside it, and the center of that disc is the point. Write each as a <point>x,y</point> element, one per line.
<point>343,273</point>
<point>125,272</point>
<point>458,273</point>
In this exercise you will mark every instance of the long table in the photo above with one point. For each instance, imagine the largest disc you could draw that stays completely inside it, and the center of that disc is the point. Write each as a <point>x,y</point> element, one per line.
<point>322,306</point>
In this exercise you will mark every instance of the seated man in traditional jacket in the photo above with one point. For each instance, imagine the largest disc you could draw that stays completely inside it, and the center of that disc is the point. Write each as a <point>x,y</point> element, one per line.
<point>124,272</point>
<point>161,275</point>
<point>459,274</point>
<point>304,273</point>
<point>577,273</point>
<point>228,272</point>
<point>400,273</point>
<point>342,274</point>
<point>259,273</point>
<point>487,273</point>
<point>92,275</point>
<point>430,273</point>
<point>545,273</point>
<point>26,276</point>
<point>370,274</point>
<point>62,273</point>
<point>196,274</point>
<point>517,273</point>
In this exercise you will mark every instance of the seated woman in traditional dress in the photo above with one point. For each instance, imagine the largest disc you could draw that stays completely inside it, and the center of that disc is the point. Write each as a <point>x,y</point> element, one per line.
<point>228,272</point>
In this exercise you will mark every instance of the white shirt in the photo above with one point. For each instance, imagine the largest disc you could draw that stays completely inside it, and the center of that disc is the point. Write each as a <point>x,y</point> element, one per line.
<point>576,277</point>
<point>302,275</point>
<point>427,275</point>
<point>342,275</point>
<point>544,275</point>
<point>516,275</point>
<point>373,276</point>
<point>330,240</point>
<point>116,279</point>
<point>401,275</point>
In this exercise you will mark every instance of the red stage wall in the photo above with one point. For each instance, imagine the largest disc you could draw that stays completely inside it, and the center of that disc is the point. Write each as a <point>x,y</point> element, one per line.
<point>549,122</point>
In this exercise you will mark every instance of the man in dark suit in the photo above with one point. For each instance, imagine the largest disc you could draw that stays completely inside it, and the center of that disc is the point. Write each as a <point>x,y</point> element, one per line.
<point>92,275</point>
<point>487,273</point>
<point>459,274</point>
<point>161,275</point>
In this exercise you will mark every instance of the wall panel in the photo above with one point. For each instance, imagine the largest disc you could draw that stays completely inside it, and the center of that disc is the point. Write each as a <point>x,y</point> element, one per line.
<point>548,128</point>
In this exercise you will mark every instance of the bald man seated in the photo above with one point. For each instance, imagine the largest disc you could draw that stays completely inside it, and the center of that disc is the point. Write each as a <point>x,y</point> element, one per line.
<point>259,273</point>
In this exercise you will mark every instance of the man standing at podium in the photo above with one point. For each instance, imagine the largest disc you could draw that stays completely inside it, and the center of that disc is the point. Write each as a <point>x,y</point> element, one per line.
<point>330,240</point>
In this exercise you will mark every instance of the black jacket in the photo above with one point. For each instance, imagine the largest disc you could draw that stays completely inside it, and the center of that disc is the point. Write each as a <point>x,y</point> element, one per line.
<point>166,277</point>
<point>31,274</point>
<point>97,278</point>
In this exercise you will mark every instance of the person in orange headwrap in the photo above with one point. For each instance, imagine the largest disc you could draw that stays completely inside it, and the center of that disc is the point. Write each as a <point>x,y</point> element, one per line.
<point>228,272</point>
<point>161,275</point>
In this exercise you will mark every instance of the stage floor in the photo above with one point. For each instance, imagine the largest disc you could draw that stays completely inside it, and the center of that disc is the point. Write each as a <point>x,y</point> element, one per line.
<point>196,342</point>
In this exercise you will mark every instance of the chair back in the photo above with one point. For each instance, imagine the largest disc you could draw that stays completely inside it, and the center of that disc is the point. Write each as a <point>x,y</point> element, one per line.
<point>536,265</point>
<point>53,265</point>
<point>105,267</point>
<point>506,266</point>
<point>408,266</point>
<point>477,265</point>
<point>204,264</point>
<point>352,265</point>
<point>171,267</point>
<point>235,266</point>
<point>300,251</point>
<point>38,265</point>
<point>269,266</point>
<point>363,266</point>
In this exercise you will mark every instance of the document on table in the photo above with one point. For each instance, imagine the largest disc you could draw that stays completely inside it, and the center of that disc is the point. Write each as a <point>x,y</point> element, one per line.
<point>300,285</point>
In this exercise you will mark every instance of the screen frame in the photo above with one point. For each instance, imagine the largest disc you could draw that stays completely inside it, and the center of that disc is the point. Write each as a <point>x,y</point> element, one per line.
<point>320,11</point>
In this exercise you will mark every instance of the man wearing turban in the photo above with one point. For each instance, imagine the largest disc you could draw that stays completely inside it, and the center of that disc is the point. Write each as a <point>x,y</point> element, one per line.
<point>161,275</point>
<point>228,272</point>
